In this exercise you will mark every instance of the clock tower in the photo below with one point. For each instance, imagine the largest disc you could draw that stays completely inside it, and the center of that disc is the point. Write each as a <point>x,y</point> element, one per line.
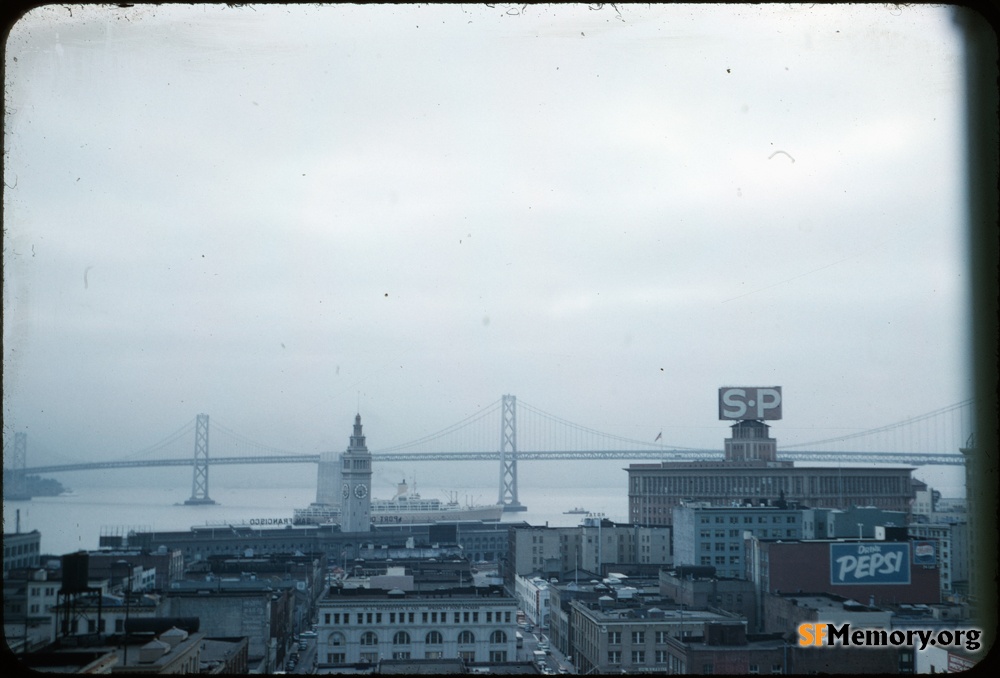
<point>356,479</point>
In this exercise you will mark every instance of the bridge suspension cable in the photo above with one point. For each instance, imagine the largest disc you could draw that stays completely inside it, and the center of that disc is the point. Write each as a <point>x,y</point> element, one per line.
<point>594,432</point>
<point>254,446</point>
<point>170,438</point>
<point>939,413</point>
<point>464,423</point>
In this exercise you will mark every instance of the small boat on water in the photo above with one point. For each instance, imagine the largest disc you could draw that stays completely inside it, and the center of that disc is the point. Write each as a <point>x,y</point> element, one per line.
<point>576,510</point>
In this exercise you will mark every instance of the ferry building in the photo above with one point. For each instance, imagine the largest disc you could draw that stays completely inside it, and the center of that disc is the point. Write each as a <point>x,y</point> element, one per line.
<point>751,471</point>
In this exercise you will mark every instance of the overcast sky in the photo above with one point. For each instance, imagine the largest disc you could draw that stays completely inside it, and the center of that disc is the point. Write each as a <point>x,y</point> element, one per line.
<point>275,214</point>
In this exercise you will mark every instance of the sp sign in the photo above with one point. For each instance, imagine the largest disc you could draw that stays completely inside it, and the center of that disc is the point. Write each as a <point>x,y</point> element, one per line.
<point>750,402</point>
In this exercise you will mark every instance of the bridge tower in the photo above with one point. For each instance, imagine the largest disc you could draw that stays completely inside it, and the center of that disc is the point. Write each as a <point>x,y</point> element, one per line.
<point>199,486</point>
<point>508,456</point>
<point>16,487</point>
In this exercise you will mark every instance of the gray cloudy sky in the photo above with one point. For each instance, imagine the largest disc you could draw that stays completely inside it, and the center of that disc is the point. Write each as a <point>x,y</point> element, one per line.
<point>271,213</point>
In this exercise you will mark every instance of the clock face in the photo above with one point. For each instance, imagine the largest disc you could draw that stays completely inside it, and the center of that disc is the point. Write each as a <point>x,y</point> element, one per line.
<point>347,490</point>
<point>361,491</point>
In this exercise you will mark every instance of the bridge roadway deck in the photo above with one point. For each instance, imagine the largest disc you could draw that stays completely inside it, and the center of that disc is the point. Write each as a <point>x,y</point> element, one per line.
<point>630,455</point>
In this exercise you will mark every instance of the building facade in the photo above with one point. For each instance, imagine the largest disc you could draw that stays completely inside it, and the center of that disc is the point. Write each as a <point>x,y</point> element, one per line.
<point>713,535</point>
<point>598,545</point>
<point>654,490</point>
<point>695,588</point>
<point>21,549</point>
<point>751,471</point>
<point>951,546</point>
<point>610,637</point>
<point>361,625</point>
<point>876,572</point>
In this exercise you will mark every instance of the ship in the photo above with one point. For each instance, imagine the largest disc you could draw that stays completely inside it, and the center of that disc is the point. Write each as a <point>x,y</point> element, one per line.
<point>405,507</point>
<point>575,511</point>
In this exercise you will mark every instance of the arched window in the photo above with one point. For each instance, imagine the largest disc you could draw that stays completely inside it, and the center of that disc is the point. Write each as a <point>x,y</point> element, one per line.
<point>336,639</point>
<point>369,638</point>
<point>466,638</point>
<point>498,638</point>
<point>434,638</point>
<point>401,638</point>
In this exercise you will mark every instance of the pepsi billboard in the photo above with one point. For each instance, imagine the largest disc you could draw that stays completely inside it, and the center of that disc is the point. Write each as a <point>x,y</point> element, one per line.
<point>869,563</point>
<point>924,552</point>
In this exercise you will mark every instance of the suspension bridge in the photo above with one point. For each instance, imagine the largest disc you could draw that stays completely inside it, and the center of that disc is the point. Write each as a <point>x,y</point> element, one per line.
<point>527,433</point>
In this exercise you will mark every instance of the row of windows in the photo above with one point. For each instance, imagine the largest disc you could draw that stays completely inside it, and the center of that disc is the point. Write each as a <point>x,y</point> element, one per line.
<point>638,637</point>
<point>465,617</point>
<point>20,549</point>
<point>638,656</point>
<point>466,637</point>
<point>747,519</point>
<point>496,656</point>
<point>762,532</point>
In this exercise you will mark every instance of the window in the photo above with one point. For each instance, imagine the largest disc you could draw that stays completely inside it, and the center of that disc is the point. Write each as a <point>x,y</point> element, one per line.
<point>336,639</point>
<point>661,656</point>
<point>614,657</point>
<point>401,638</point>
<point>776,668</point>
<point>638,637</point>
<point>661,637</point>
<point>466,638</point>
<point>498,638</point>
<point>467,655</point>
<point>326,618</point>
<point>369,657</point>
<point>369,638</point>
<point>498,655</point>
<point>614,637</point>
<point>335,658</point>
<point>436,654</point>
<point>638,656</point>
<point>434,638</point>
<point>400,655</point>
